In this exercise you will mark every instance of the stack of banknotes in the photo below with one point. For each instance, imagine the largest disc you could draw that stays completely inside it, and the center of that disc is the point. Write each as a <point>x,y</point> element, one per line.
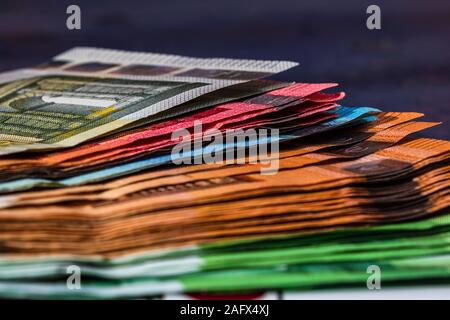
<point>119,179</point>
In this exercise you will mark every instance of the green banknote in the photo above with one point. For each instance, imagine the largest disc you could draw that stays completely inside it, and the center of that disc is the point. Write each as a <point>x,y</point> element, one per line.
<point>86,92</point>
<point>409,252</point>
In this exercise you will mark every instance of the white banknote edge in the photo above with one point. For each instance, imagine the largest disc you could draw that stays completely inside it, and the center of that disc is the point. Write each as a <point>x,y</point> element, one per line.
<point>390,293</point>
<point>89,54</point>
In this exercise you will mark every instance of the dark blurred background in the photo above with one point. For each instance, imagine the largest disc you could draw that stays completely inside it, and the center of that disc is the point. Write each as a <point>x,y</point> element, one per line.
<point>405,66</point>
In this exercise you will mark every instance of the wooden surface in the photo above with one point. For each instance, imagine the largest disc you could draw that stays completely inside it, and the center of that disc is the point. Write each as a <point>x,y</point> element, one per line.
<point>403,67</point>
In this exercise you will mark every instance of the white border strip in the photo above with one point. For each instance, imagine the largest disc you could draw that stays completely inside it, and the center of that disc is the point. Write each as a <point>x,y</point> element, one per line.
<point>86,54</point>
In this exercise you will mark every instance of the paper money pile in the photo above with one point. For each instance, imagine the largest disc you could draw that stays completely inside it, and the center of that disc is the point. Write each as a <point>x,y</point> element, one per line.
<point>95,203</point>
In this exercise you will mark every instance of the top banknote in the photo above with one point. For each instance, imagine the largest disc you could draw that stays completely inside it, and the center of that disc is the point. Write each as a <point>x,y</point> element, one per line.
<point>84,93</point>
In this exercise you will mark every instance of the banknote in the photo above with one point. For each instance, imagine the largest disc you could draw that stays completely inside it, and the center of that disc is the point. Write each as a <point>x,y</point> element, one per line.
<point>408,251</point>
<point>87,92</point>
<point>344,115</point>
<point>157,136</point>
<point>238,91</point>
<point>184,206</point>
<point>267,214</point>
<point>376,243</point>
<point>397,254</point>
<point>384,138</point>
<point>339,137</point>
<point>146,238</point>
<point>92,178</point>
<point>286,277</point>
<point>144,148</point>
